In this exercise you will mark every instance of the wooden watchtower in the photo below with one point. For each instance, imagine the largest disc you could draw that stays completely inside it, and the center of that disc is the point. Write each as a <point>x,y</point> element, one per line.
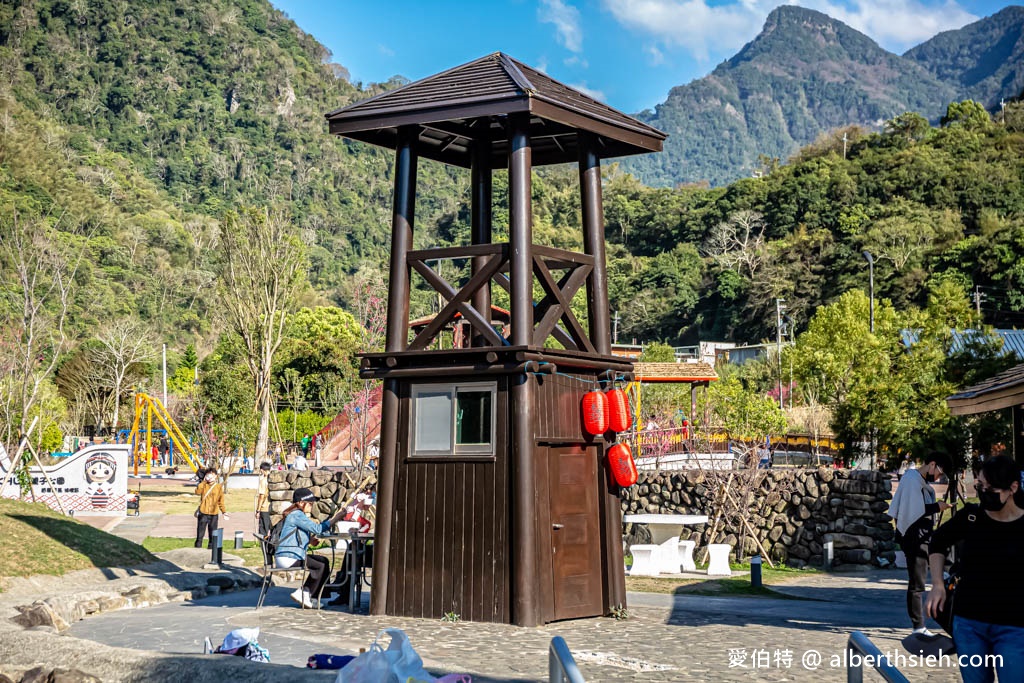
<point>493,503</point>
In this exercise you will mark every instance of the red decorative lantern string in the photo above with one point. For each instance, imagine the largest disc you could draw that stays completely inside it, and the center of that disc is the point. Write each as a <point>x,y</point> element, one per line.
<point>619,419</point>
<point>620,459</point>
<point>595,412</point>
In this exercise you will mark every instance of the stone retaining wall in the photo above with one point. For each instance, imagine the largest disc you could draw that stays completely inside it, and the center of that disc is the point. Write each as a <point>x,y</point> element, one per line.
<point>793,513</point>
<point>332,487</point>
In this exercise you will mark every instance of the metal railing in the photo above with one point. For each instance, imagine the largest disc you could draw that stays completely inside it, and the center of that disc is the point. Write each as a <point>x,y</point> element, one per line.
<point>561,666</point>
<point>860,648</point>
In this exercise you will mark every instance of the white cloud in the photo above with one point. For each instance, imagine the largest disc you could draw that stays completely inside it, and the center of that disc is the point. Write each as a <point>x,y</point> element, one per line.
<point>701,28</point>
<point>566,20</point>
<point>897,24</point>
<point>385,50</point>
<point>596,94</point>
<point>656,56</point>
<point>576,60</point>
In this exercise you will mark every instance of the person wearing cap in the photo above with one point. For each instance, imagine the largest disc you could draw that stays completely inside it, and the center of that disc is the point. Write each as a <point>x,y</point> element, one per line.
<point>296,534</point>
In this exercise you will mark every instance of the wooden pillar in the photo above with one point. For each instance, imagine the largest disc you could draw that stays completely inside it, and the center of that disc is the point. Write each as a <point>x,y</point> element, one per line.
<point>401,240</point>
<point>525,596</point>
<point>520,227</point>
<point>611,532</point>
<point>481,224</point>
<point>593,244</point>
<point>396,340</point>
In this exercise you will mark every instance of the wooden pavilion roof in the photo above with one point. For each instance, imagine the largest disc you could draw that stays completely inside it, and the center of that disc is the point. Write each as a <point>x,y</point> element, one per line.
<point>473,101</point>
<point>1000,391</point>
<point>674,372</point>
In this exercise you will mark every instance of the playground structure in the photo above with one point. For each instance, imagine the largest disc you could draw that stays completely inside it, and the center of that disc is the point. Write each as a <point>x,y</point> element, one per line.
<point>141,434</point>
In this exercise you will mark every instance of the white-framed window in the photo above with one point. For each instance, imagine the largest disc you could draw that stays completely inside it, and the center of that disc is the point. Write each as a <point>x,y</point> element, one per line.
<point>453,418</point>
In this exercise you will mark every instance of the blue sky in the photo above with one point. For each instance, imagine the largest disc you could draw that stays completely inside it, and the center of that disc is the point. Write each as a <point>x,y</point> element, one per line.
<point>628,53</point>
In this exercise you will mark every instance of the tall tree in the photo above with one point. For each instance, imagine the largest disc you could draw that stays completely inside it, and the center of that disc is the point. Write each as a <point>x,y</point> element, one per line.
<point>124,347</point>
<point>42,264</point>
<point>262,272</point>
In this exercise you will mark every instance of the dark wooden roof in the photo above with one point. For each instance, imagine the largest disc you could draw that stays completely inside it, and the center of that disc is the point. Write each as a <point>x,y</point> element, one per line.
<point>995,393</point>
<point>473,101</point>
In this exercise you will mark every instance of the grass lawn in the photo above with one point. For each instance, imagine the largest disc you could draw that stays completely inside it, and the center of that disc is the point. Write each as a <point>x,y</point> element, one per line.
<point>250,552</point>
<point>182,500</point>
<point>37,540</point>
<point>736,586</point>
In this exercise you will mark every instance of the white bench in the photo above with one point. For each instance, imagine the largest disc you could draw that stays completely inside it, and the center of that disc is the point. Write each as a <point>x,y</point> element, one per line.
<point>686,549</point>
<point>644,563</point>
<point>718,564</point>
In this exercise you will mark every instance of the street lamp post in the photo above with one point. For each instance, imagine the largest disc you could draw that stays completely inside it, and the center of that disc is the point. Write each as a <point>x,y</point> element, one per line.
<point>871,288</point>
<point>871,323</point>
<point>779,308</point>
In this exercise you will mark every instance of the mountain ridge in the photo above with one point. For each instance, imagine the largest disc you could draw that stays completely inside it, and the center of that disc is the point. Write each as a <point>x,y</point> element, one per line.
<point>802,76</point>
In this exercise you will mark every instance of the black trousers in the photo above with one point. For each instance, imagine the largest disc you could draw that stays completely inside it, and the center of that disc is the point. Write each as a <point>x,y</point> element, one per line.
<point>319,568</point>
<point>205,522</point>
<point>917,574</point>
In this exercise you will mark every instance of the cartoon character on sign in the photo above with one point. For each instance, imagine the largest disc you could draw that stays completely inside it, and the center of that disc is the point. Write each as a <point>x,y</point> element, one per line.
<point>99,477</point>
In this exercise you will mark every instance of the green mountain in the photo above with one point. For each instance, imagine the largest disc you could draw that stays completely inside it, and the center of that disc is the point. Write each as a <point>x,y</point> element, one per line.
<point>984,60</point>
<point>807,74</point>
<point>152,119</point>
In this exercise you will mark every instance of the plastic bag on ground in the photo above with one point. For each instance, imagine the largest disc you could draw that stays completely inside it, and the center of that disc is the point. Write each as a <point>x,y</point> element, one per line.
<point>397,664</point>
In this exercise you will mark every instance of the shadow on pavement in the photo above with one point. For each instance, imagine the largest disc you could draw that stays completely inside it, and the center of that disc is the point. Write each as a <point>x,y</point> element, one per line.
<point>820,608</point>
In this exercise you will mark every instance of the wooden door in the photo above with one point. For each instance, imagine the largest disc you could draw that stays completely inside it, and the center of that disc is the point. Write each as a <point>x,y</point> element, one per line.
<point>575,532</point>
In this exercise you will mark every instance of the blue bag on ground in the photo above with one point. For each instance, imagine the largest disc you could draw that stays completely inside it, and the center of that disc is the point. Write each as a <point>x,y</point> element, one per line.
<point>328,661</point>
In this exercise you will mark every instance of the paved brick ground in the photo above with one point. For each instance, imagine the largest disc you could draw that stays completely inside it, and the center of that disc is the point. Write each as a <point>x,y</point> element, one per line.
<point>665,638</point>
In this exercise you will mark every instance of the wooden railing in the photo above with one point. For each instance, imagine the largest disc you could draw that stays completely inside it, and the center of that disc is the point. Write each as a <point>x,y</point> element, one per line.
<point>552,315</point>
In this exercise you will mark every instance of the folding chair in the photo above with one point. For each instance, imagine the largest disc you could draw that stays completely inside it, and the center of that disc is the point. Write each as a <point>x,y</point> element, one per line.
<point>269,569</point>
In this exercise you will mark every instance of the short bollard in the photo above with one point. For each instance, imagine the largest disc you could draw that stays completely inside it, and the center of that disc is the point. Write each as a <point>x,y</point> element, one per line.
<point>755,571</point>
<point>828,554</point>
<point>217,547</point>
<point>239,540</point>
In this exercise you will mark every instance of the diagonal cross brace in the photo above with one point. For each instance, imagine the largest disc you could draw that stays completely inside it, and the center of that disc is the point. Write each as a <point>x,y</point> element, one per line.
<point>457,303</point>
<point>560,308</point>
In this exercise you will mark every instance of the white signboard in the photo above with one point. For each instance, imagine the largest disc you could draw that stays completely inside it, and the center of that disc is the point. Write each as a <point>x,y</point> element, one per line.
<point>93,481</point>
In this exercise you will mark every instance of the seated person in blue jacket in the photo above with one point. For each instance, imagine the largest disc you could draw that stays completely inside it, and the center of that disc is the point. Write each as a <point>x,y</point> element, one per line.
<point>296,535</point>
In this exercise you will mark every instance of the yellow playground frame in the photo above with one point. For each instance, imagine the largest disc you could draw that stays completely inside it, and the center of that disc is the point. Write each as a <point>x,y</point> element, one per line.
<point>148,406</point>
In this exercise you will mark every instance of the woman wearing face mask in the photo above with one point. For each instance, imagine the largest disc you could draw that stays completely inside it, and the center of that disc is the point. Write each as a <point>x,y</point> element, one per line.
<point>988,613</point>
<point>912,507</point>
<point>211,500</point>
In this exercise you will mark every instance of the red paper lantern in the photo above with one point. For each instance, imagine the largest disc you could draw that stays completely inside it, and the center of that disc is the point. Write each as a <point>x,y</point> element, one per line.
<point>595,412</point>
<point>620,459</point>
<point>619,419</point>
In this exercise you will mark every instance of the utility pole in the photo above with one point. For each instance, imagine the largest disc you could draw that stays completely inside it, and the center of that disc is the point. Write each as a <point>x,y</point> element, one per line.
<point>977,301</point>
<point>844,145</point>
<point>615,329</point>
<point>779,308</point>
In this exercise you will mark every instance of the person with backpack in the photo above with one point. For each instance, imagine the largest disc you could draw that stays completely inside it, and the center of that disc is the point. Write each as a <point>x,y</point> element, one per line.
<point>296,533</point>
<point>987,619</point>
<point>912,507</point>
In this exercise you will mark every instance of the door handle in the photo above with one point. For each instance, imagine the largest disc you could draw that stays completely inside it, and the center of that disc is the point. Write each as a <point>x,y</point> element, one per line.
<point>556,527</point>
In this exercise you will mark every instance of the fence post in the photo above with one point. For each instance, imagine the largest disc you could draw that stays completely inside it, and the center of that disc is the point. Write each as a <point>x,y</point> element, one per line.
<point>239,540</point>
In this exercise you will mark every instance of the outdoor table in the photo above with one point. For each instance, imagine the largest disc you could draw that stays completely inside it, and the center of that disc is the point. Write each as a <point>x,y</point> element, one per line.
<point>662,555</point>
<point>356,547</point>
